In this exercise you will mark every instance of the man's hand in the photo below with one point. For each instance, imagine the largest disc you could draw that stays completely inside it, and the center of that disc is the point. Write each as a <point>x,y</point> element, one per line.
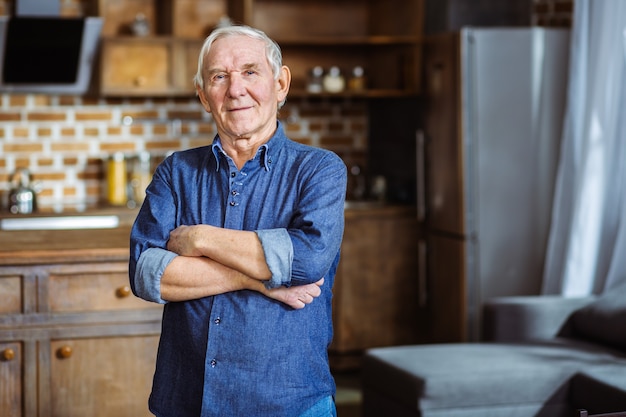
<point>183,240</point>
<point>239,250</point>
<point>296,297</point>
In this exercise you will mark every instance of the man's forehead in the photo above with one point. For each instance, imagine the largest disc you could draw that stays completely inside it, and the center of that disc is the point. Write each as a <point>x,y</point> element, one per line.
<point>245,53</point>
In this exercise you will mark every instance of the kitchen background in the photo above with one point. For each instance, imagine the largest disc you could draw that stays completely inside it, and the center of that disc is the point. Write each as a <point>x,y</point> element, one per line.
<point>64,140</point>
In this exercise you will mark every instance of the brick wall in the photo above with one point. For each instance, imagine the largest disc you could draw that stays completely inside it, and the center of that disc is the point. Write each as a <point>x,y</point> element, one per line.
<point>63,140</point>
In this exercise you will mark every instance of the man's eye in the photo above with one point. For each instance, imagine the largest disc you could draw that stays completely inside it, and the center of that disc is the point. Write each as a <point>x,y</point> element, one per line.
<point>218,78</point>
<point>250,72</point>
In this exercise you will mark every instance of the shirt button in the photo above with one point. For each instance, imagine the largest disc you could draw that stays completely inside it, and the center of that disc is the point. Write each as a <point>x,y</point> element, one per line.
<point>234,192</point>
<point>232,204</point>
<point>213,363</point>
<point>233,174</point>
<point>217,321</point>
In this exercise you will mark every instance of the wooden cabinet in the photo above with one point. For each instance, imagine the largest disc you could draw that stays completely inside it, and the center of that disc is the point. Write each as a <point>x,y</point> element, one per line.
<point>74,341</point>
<point>148,66</point>
<point>375,299</point>
<point>381,36</point>
<point>164,60</point>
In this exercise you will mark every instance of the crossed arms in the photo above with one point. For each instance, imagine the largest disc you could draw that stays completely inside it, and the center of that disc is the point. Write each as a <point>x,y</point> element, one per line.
<point>284,259</point>
<point>214,260</point>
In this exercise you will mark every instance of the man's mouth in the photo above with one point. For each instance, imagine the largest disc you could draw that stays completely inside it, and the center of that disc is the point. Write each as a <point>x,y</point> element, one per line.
<point>236,109</point>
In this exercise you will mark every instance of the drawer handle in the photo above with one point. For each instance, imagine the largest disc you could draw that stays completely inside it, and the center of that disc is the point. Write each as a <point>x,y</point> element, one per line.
<point>64,352</point>
<point>8,354</point>
<point>140,81</point>
<point>123,292</point>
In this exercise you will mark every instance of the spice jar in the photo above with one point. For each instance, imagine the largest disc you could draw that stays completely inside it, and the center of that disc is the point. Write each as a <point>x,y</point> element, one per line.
<point>334,81</point>
<point>116,179</point>
<point>357,80</point>
<point>315,80</point>
<point>140,26</point>
<point>139,178</point>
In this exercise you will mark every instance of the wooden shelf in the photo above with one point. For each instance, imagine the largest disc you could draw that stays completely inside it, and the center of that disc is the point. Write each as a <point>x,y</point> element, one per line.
<point>382,36</point>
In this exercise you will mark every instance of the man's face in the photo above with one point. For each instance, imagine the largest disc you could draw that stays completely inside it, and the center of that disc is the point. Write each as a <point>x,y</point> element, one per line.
<point>240,90</point>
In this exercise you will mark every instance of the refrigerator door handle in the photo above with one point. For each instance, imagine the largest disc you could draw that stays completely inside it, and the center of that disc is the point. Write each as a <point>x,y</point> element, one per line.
<point>422,271</point>
<point>420,163</point>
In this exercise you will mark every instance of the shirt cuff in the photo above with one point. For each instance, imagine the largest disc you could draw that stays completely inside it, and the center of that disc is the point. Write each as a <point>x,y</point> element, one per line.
<point>150,268</point>
<point>278,255</point>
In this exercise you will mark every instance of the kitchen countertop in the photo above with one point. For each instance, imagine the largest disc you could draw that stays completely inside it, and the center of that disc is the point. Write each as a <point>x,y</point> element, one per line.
<point>27,247</point>
<point>41,246</point>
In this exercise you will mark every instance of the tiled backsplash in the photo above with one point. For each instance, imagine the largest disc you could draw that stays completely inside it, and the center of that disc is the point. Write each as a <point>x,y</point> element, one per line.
<point>64,140</point>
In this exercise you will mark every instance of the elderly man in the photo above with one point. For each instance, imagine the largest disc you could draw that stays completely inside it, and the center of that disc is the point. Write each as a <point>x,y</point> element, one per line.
<point>240,240</point>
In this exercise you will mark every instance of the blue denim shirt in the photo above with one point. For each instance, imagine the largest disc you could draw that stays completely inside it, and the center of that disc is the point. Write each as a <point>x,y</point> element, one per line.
<point>241,353</point>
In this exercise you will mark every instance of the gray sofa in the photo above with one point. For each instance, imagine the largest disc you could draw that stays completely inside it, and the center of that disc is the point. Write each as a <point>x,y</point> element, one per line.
<point>543,356</point>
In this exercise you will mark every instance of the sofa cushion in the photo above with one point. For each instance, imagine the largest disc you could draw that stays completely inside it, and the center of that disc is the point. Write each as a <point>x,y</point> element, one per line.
<point>457,379</point>
<point>603,321</point>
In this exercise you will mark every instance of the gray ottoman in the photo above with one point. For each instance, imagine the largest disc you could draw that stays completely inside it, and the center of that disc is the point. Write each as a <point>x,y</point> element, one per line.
<point>473,379</point>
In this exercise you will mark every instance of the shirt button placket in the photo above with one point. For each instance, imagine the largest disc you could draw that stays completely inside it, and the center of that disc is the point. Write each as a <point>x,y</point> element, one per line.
<point>216,321</point>
<point>234,189</point>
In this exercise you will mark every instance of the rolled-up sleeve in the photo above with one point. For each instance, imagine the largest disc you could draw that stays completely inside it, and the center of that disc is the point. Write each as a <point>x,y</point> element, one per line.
<point>278,250</point>
<point>316,230</point>
<point>150,268</point>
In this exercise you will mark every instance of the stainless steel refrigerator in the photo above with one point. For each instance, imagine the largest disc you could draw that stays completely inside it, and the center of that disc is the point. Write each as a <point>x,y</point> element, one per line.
<point>486,161</point>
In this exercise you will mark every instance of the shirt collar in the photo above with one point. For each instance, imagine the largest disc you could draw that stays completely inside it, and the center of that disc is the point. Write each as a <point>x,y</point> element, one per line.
<point>274,144</point>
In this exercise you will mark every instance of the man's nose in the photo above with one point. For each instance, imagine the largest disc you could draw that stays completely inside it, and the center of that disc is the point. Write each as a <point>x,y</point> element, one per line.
<point>236,85</point>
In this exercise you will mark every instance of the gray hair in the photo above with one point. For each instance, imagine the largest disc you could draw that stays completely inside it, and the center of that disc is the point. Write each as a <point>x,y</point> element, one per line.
<point>272,50</point>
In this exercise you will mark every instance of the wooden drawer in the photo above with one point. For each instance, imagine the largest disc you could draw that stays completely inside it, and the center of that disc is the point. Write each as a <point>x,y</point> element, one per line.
<point>92,287</point>
<point>135,66</point>
<point>159,66</point>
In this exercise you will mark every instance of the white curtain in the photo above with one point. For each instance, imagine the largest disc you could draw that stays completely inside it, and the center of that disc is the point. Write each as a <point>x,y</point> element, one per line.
<point>587,245</point>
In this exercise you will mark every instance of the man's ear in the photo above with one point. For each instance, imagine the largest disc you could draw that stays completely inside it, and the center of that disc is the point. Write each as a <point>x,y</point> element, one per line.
<point>203,99</point>
<point>283,83</point>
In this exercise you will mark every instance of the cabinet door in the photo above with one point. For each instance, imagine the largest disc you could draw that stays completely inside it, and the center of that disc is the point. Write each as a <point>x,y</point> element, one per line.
<point>376,287</point>
<point>157,66</point>
<point>135,67</point>
<point>11,379</point>
<point>102,377</point>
